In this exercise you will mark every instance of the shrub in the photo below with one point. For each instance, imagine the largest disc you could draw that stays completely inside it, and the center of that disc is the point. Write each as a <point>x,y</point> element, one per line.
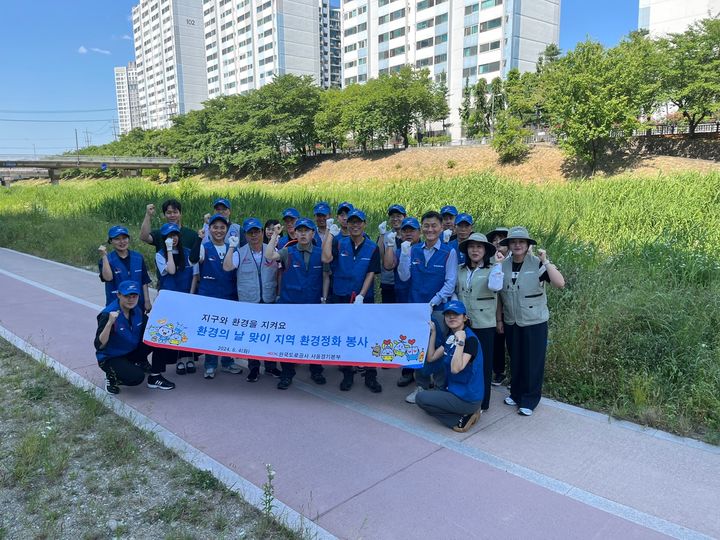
<point>508,140</point>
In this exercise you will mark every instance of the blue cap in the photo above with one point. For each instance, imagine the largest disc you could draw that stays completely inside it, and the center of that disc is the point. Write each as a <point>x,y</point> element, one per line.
<point>455,306</point>
<point>410,222</point>
<point>464,218</point>
<point>397,208</point>
<point>252,223</point>
<point>357,214</point>
<point>345,206</point>
<point>305,222</point>
<point>448,210</point>
<point>220,217</point>
<point>322,209</point>
<point>168,228</point>
<point>223,201</point>
<point>129,287</point>
<point>291,212</point>
<point>116,231</point>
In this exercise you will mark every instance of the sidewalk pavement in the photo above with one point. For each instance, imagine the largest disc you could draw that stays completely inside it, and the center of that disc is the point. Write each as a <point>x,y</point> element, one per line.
<point>362,465</point>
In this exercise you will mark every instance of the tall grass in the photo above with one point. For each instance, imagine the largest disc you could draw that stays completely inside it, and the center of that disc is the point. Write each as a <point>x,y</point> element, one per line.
<point>634,332</point>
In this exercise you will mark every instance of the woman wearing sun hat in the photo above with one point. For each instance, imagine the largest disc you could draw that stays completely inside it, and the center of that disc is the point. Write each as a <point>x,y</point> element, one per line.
<point>458,405</point>
<point>480,302</point>
<point>525,315</point>
<point>495,237</point>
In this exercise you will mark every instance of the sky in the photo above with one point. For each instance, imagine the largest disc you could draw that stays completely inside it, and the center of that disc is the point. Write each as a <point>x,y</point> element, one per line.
<point>57,59</point>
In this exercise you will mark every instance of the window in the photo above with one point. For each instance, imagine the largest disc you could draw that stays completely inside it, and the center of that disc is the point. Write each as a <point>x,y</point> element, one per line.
<point>486,4</point>
<point>424,62</point>
<point>425,24</point>
<point>489,25</point>
<point>442,38</point>
<point>443,17</point>
<point>425,43</point>
<point>490,46</point>
<point>489,68</point>
<point>440,58</point>
<point>470,51</point>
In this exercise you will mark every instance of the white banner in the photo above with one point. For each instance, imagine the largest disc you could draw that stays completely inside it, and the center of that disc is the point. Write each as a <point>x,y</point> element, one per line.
<point>389,335</point>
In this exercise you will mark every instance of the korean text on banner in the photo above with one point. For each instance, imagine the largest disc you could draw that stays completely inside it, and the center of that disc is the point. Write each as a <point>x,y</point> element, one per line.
<point>390,335</point>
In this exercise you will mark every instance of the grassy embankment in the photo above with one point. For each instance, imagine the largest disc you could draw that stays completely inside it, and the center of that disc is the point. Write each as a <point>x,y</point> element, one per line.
<point>634,333</point>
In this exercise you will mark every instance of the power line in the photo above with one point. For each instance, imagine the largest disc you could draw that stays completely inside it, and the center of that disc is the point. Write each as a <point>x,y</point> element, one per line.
<point>34,120</point>
<point>56,111</point>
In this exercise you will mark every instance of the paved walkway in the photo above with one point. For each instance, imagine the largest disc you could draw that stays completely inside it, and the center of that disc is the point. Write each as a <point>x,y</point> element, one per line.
<point>362,465</point>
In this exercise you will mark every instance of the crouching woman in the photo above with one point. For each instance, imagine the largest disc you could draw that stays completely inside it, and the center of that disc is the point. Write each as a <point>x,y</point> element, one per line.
<point>458,405</point>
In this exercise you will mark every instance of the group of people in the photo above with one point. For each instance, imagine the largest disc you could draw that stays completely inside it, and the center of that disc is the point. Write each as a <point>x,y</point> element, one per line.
<point>437,260</point>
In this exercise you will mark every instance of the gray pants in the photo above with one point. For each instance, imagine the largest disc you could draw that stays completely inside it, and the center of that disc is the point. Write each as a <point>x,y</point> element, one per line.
<point>445,406</point>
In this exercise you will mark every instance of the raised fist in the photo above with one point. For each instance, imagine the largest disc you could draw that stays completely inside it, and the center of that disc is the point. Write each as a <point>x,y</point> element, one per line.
<point>446,235</point>
<point>390,239</point>
<point>233,241</point>
<point>113,315</point>
<point>150,210</point>
<point>169,244</point>
<point>382,227</point>
<point>102,250</point>
<point>405,247</point>
<point>334,229</point>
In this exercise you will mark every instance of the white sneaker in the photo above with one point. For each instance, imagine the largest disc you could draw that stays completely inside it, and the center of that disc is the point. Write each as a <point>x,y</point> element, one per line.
<point>232,368</point>
<point>510,401</point>
<point>411,397</point>
<point>525,412</point>
<point>209,373</point>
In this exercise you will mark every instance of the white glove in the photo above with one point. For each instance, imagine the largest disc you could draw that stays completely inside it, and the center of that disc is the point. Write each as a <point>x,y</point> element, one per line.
<point>334,229</point>
<point>233,241</point>
<point>390,239</point>
<point>329,222</point>
<point>446,236</point>
<point>359,299</point>
<point>432,307</point>
<point>169,244</point>
<point>405,247</point>
<point>382,227</point>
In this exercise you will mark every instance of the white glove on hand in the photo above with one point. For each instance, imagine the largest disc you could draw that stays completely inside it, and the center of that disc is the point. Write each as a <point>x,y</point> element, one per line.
<point>334,229</point>
<point>405,248</point>
<point>359,299</point>
<point>234,241</point>
<point>432,307</point>
<point>390,239</point>
<point>446,236</point>
<point>169,244</point>
<point>382,227</point>
<point>329,222</point>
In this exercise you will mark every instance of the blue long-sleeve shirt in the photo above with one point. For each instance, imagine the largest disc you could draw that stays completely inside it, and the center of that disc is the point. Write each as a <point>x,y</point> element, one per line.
<point>451,268</point>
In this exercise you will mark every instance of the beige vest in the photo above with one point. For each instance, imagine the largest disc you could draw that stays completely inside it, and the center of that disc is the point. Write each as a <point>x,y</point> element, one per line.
<point>524,302</point>
<point>479,301</point>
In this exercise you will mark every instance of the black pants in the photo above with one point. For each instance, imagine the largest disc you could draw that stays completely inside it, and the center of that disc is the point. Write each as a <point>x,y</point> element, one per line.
<point>288,369</point>
<point>335,299</point>
<point>527,346</point>
<point>387,293</point>
<point>486,336</point>
<point>124,369</point>
<point>499,354</point>
<point>163,357</point>
<point>255,364</point>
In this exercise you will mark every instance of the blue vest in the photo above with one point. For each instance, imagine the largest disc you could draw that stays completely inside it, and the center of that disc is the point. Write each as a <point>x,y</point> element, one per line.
<point>120,274</point>
<point>349,270</point>
<point>402,288</point>
<point>181,281</point>
<point>124,338</point>
<point>427,279</point>
<point>469,384</point>
<point>302,285</point>
<point>214,281</point>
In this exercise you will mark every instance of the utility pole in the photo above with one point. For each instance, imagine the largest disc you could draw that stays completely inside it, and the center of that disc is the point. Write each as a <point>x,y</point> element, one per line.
<point>87,138</point>
<point>77,149</point>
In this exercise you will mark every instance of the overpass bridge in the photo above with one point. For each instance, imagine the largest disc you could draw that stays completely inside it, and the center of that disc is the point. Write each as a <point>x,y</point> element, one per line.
<point>53,163</point>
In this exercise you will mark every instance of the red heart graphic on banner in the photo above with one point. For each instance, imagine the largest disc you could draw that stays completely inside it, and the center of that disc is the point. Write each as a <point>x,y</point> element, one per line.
<point>411,341</point>
<point>402,338</point>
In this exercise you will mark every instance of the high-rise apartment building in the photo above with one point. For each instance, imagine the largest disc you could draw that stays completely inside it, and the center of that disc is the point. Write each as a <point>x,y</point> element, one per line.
<point>169,58</point>
<point>467,40</point>
<point>126,93</point>
<point>248,42</point>
<point>330,42</point>
<point>661,17</point>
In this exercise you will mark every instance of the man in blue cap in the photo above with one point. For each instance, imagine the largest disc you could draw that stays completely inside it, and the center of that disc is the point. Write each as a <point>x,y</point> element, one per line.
<point>289,217</point>
<point>172,212</point>
<point>448,214</point>
<point>122,264</point>
<point>302,283</point>
<point>390,236</point>
<point>463,230</point>
<point>343,209</point>
<point>354,260</point>
<point>322,212</point>
<point>257,279</point>
<point>119,347</point>
<point>214,281</point>
<point>223,207</point>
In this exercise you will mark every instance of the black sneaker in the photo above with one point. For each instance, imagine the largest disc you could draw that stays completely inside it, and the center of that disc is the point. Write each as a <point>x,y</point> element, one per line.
<point>159,382</point>
<point>498,379</point>
<point>347,382</point>
<point>145,366</point>
<point>466,422</point>
<point>253,375</point>
<point>372,383</point>
<point>111,387</point>
<point>284,383</point>
<point>275,372</point>
<point>318,378</point>
<point>405,380</point>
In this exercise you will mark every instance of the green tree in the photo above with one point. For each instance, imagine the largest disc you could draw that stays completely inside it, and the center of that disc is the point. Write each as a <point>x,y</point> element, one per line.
<point>550,54</point>
<point>508,140</point>
<point>586,102</point>
<point>329,125</point>
<point>691,75</point>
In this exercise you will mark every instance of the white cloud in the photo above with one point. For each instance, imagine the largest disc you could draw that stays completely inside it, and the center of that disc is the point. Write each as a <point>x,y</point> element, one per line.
<point>126,37</point>
<point>99,51</point>
<point>82,50</point>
